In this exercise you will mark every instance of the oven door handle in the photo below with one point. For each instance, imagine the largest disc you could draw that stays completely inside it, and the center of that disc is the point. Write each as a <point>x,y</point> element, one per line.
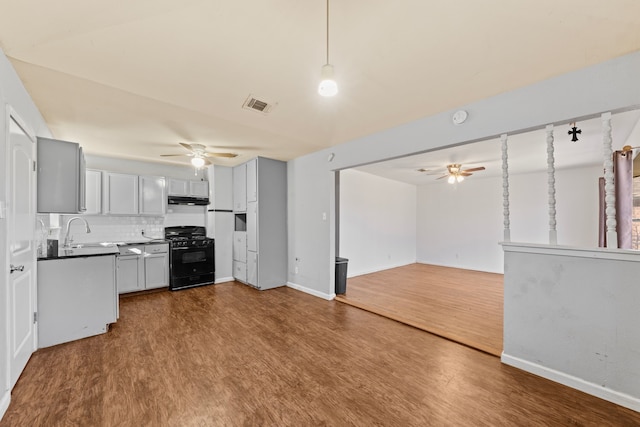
<point>180,249</point>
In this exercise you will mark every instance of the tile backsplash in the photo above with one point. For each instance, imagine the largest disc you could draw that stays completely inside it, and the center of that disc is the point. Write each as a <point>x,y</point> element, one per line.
<point>113,228</point>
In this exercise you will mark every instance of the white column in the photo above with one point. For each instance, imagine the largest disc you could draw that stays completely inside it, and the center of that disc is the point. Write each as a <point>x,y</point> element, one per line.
<point>505,188</point>
<point>551,173</point>
<point>609,185</point>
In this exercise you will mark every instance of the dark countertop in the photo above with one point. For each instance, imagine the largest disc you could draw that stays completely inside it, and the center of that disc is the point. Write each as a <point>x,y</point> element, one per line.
<point>97,249</point>
<point>84,251</point>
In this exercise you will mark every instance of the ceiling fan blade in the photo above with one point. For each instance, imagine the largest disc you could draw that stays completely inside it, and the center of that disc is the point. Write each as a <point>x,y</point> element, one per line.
<point>228,155</point>
<point>175,155</point>
<point>481,168</point>
<point>187,146</point>
<point>207,162</point>
<point>443,176</point>
<point>465,174</point>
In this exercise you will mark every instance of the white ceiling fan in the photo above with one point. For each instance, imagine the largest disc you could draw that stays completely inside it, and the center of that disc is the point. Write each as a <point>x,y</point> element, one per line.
<point>199,154</point>
<point>454,172</point>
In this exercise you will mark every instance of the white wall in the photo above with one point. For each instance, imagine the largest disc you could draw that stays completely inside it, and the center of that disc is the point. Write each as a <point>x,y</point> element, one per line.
<point>572,316</point>
<point>461,225</point>
<point>311,242</point>
<point>377,222</point>
<point>12,93</point>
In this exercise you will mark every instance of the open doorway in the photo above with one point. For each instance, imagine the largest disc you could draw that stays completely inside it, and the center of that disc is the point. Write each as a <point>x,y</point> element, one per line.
<point>459,225</point>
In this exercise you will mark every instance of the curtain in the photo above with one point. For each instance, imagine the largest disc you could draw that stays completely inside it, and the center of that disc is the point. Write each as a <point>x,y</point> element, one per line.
<point>623,180</point>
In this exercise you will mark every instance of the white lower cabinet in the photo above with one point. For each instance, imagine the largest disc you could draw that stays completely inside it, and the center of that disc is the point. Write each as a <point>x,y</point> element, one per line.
<point>143,267</point>
<point>240,256</point>
<point>156,266</point>
<point>76,298</point>
<point>240,246</point>
<point>240,271</point>
<point>130,270</point>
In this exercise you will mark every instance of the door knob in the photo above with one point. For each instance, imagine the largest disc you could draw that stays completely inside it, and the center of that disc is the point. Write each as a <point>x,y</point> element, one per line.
<point>13,268</point>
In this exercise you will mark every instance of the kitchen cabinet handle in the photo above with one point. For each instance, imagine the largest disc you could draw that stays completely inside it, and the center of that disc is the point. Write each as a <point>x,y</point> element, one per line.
<point>13,268</point>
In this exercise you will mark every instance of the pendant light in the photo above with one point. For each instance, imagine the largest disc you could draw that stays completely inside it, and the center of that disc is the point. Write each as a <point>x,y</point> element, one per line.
<point>328,86</point>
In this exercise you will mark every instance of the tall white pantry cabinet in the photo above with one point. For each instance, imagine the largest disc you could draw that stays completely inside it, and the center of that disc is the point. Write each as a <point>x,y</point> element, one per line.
<point>260,210</point>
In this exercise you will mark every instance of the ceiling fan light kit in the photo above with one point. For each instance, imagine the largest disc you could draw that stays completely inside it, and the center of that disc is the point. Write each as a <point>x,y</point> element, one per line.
<point>199,155</point>
<point>197,162</point>
<point>455,173</point>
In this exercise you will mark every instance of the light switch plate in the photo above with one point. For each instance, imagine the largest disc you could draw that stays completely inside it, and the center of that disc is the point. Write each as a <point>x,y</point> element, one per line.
<point>3,210</point>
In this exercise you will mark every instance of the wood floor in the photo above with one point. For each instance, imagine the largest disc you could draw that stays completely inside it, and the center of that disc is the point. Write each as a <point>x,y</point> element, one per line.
<point>228,355</point>
<point>462,305</point>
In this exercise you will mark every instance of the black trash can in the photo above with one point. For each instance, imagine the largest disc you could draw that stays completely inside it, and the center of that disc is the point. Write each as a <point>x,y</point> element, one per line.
<point>341,275</point>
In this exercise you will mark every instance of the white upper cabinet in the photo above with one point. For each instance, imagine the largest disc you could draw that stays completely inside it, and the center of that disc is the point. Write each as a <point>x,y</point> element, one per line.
<point>252,180</point>
<point>153,199</point>
<point>240,188</point>
<point>94,192</point>
<point>121,194</point>
<point>186,188</point>
<point>61,177</point>
<point>199,189</point>
<point>178,187</point>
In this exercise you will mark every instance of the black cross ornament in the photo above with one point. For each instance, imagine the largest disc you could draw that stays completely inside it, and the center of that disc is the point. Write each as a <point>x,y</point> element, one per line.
<point>574,133</point>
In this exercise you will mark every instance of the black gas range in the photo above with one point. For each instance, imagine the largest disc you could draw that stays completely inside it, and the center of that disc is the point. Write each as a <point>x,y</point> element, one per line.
<point>192,256</point>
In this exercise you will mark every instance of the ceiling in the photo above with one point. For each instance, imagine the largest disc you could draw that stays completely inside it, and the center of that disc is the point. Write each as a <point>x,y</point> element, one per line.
<point>527,152</point>
<point>134,78</point>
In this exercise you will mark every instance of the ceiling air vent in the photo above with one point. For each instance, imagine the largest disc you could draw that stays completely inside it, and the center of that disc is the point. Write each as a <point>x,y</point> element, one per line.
<point>255,104</point>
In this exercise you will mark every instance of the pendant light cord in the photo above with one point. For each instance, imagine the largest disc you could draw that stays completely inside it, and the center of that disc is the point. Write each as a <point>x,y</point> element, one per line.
<point>327,31</point>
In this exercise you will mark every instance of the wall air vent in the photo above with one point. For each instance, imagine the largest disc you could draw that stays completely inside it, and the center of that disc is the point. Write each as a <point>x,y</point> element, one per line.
<point>255,104</point>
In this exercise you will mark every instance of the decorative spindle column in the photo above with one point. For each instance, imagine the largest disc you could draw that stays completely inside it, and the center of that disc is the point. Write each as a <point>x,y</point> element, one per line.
<point>609,185</point>
<point>551,172</point>
<point>505,188</point>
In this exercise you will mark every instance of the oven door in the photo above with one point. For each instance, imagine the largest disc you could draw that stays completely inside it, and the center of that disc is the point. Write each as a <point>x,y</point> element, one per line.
<point>192,261</point>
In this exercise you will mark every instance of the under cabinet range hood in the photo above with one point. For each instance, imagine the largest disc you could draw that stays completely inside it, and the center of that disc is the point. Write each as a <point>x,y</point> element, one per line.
<point>188,200</point>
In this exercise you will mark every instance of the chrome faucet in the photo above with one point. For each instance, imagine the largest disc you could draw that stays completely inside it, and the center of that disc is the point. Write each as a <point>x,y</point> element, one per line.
<point>67,240</point>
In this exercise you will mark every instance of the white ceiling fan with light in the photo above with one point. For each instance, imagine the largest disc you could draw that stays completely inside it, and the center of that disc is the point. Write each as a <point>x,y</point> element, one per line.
<point>199,155</point>
<point>454,172</point>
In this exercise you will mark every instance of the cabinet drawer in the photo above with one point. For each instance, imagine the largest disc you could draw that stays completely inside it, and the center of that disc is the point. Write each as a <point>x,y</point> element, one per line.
<point>157,249</point>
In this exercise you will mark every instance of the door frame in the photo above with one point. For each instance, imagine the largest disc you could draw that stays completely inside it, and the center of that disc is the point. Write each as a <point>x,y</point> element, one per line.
<point>12,114</point>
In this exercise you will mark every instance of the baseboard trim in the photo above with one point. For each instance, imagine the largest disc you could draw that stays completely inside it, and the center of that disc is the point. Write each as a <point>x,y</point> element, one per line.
<point>310,291</point>
<point>613,396</point>
<point>4,403</point>
<point>223,280</point>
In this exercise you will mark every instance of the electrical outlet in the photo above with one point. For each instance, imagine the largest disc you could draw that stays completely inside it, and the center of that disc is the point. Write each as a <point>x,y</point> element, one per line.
<point>296,270</point>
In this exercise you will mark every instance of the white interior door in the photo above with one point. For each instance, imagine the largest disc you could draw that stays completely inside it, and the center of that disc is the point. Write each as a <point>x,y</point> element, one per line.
<point>21,242</point>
